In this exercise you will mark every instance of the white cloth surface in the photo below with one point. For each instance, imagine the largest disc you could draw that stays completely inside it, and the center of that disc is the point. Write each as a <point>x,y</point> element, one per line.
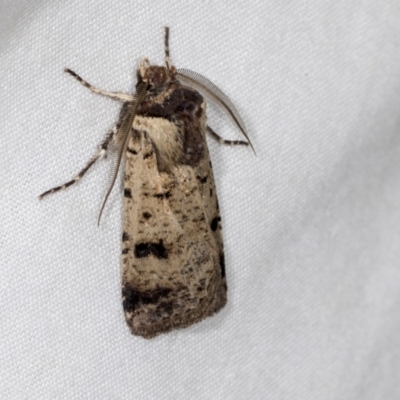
<point>311,224</point>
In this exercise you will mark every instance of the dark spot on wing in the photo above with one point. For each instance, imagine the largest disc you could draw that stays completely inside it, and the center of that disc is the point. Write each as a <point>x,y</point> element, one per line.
<point>166,195</point>
<point>127,193</point>
<point>202,179</point>
<point>133,298</point>
<point>214,223</point>
<point>125,237</point>
<point>146,215</point>
<point>147,155</point>
<point>150,248</point>
<point>132,151</point>
<point>222,264</point>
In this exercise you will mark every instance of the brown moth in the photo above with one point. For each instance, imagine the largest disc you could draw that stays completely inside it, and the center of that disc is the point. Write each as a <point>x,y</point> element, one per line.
<point>173,271</point>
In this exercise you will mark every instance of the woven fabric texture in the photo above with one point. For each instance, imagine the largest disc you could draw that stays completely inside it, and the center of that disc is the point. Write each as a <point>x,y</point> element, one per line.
<point>311,223</point>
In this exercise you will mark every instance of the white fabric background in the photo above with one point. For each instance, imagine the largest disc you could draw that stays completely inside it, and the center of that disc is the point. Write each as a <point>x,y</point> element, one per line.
<point>311,225</point>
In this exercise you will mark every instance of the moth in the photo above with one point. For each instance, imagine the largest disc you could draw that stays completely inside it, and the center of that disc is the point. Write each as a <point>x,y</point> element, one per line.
<point>172,256</point>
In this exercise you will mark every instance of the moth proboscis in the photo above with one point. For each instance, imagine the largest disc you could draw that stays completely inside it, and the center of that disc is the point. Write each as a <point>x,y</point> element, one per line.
<point>172,257</point>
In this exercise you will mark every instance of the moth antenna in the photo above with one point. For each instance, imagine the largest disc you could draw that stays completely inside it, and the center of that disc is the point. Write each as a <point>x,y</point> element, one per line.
<point>122,136</point>
<point>200,82</point>
<point>166,48</point>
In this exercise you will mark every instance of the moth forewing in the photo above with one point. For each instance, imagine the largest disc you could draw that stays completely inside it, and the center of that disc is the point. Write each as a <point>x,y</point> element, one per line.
<point>173,270</point>
<point>122,133</point>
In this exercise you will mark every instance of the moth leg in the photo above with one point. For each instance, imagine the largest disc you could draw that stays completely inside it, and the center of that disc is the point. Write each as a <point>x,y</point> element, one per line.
<point>114,95</point>
<point>224,141</point>
<point>101,153</point>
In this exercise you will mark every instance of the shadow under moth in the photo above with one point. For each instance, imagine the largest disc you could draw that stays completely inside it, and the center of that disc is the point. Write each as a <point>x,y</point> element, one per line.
<point>172,257</point>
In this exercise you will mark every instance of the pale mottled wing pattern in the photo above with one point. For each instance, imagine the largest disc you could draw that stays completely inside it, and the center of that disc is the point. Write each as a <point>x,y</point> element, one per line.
<point>173,271</point>
<point>172,254</point>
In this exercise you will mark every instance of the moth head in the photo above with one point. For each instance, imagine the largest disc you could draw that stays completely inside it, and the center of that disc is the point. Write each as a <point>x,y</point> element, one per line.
<point>154,76</point>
